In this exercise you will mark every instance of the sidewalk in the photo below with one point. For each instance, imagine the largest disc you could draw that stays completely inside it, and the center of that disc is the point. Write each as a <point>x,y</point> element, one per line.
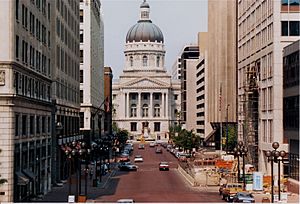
<point>60,194</point>
<point>292,197</point>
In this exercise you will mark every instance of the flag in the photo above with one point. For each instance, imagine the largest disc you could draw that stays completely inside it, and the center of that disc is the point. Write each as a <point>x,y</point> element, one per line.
<point>107,104</point>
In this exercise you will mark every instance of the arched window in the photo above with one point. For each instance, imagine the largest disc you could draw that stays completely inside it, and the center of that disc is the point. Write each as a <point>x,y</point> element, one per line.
<point>157,61</point>
<point>145,61</point>
<point>156,110</point>
<point>133,110</point>
<point>131,61</point>
<point>145,110</point>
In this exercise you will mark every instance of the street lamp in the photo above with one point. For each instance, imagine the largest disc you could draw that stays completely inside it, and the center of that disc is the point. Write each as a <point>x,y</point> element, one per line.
<point>241,150</point>
<point>77,150</point>
<point>275,156</point>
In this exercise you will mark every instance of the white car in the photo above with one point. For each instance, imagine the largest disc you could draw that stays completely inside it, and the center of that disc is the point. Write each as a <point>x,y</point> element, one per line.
<point>152,144</point>
<point>138,158</point>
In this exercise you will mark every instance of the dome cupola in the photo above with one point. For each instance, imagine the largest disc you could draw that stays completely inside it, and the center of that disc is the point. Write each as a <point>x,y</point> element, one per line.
<point>144,30</point>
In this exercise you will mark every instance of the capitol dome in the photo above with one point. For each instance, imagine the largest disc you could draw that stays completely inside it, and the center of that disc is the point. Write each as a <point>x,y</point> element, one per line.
<point>144,30</point>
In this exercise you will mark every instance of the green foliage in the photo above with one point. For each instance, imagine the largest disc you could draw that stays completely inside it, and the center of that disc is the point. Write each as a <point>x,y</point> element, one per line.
<point>232,138</point>
<point>173,129</point>
<point>122,136</point>
<point>187,140</point>
<point>115,127</point>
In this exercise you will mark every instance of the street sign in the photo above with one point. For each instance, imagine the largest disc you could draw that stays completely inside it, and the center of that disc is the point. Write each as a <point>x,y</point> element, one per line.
<point>257,181</point>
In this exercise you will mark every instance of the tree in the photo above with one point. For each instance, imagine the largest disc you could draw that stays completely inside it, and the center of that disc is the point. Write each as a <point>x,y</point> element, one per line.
<point>232,138</point>
<point>122,136</point>
<point>2,181</point>
<point>187,140</point>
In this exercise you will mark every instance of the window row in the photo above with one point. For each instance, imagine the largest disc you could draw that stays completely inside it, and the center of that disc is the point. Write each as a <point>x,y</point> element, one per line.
<point>69,17</point>
<point>145,61</point>
<point>33,125</point>
<point>290,28</point>
<point>291,70</point>
<point>30,87</point>
<point>66,63</point>
<point>32,57</point>
<point>66,36</point>
<point>145,110</point>
<point>267,98</point>
<point>266,66</point>
<point>67,92</point>
<point>133,126</point>
<point>70,125</point>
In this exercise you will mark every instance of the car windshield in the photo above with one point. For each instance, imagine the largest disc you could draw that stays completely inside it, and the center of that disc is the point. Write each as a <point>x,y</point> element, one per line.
<point>138,156</point>
<point>245,195</point>
<point>164,163</point>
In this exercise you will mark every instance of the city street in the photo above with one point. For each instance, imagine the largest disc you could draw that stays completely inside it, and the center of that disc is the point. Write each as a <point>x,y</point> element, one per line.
<point>149,184</point>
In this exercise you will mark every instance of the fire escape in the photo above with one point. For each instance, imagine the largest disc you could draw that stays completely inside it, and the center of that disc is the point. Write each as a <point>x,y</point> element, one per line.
<point>251,113</point>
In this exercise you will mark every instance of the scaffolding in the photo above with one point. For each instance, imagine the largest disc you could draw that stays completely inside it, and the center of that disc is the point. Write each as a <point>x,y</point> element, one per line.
<point>250,112</point>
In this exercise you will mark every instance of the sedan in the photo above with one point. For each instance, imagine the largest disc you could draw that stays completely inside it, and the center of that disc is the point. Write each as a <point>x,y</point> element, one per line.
<point>138,158</point>
<point>164,166</point>
<point>127,166</point>
<point>243,197</point>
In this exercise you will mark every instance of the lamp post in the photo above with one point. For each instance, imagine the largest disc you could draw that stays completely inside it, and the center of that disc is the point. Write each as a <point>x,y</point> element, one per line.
<point>241,150</point>
<point>227,128</point>
<point>275,156</point>
<point>77,150</point>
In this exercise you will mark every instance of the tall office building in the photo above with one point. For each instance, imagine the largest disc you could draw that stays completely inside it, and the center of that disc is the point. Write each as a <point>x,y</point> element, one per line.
<point>25,99</point>
<point>291,90</point>
<point>91,69</point>
<point>221,68</point>
<point>264,28</point>
<point>65,86</point>
<point>108,77</point>
<point>189,60</point>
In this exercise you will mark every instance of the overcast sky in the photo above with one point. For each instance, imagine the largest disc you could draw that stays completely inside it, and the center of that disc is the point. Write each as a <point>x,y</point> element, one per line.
<point>179,21</point>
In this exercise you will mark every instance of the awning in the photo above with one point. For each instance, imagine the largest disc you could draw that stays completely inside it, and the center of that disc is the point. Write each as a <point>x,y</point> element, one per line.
<point>210,135</point>
<point>29,174</point>
<point>22,180</point>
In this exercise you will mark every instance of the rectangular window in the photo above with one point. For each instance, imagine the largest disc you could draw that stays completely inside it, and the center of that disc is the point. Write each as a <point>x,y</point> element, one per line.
<point>81,76</point>
<point>294,28</point>
<point>133,126</point>
<point>43,124</point>
<point>81,56</point>
<point>284,28</point>
<point>17,10</point>
<point>81,117</point>
<point>24,124</point>
<point>17,47</point>
<point>17,124</point>
<point>31,127</point>
<point>38,125</point>
<point>81,36</point>
<point>81,15</point>
<point>156,126</point>
<point>81,96</point>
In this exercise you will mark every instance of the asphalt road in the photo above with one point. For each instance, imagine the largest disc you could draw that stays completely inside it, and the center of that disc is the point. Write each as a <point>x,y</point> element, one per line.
<point>148,184</point>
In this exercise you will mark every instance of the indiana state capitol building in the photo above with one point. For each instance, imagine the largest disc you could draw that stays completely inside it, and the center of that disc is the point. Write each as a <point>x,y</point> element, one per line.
<point>146,101</point>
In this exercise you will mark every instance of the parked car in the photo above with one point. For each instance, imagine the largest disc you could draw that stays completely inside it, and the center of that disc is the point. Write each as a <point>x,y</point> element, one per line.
<point>127,166</point>
<point>164,166</point>
<point>158,150</point>
<point>141,146</point>
<point>243,197</point>
<point>138,158</point>
<point>230,190</point>
<point>152,144</point>
<point>125,200</point>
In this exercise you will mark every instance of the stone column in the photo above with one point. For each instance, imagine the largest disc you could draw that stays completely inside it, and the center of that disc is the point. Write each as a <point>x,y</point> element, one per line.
<point>151,105</point>
<point>139,106</point>
<point>163,105</point>
<point>167,104</point>
<point>127,106</point>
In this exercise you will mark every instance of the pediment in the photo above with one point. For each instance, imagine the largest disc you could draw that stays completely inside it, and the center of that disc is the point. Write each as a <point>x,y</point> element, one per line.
<point>145,82</point>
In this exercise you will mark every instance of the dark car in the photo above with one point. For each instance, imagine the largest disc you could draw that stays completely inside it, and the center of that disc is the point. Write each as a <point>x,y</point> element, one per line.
<point>127,166</point>
<point>243,197</point>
